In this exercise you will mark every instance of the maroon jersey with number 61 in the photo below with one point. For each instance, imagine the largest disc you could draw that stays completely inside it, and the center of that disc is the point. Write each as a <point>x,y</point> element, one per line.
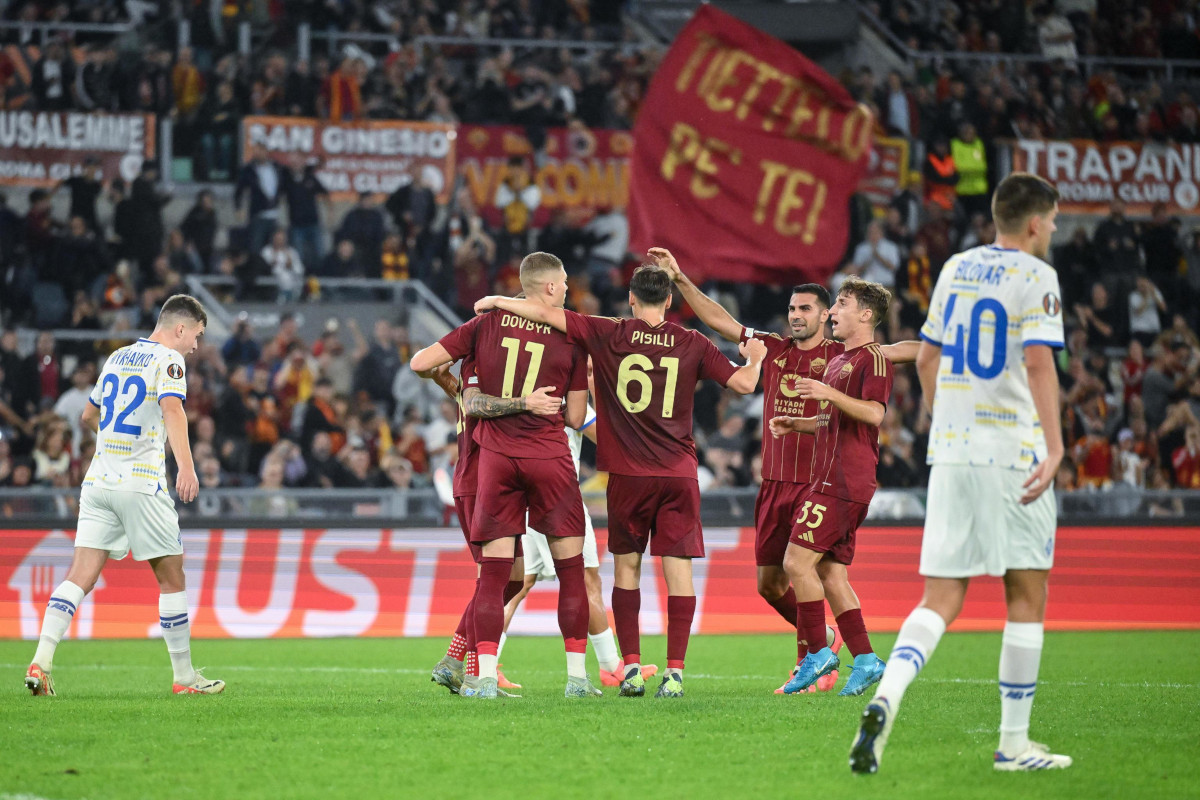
<point>846,451</point>
<point>645,379</point>
<point>515,357</point>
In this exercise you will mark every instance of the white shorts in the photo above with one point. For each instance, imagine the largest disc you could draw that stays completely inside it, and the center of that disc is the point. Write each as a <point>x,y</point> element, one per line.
<point>538,560</point>
<point>119,522</point>
<point>975,523</point>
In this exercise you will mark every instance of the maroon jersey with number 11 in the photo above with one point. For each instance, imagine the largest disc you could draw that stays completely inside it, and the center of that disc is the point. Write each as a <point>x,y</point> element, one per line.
<point>513,358</point>
<point>645,383</point>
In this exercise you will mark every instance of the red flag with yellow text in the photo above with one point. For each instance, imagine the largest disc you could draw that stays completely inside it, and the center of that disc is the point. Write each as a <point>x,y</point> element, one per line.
<point>745,157</point>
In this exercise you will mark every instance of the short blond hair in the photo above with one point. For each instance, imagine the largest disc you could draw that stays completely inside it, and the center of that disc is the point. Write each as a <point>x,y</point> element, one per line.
<point>534,268</point>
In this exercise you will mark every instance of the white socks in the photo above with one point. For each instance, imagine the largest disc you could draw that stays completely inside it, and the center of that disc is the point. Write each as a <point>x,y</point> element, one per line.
<point>500,645</point>
<point>576,665</point>
<point>177,633</point>
<point>59,612</point>
<point>605,645</point>
<point>487,666</point>
<point>919,635</point>
<point>1020,656</point>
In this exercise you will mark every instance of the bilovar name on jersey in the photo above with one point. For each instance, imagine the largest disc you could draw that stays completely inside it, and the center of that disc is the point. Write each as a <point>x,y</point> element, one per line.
<point>990,274</point>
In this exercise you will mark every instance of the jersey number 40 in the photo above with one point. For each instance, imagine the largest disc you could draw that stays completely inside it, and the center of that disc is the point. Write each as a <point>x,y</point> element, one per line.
<point>964,350</point>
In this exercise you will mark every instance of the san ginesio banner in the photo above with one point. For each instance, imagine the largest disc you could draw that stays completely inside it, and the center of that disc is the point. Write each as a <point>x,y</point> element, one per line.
<point>311,582</point>
<point>376,156</point>
<point>1090,175</point>
<point>41,148</point>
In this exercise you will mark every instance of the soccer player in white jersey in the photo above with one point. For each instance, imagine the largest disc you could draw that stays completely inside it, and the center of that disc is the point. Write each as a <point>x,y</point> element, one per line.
<point>540,566</point>
<point>136,406</point>
<point>986,365</point>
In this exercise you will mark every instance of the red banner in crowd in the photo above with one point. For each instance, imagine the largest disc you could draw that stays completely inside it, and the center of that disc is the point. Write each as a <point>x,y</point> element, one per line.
<point>376,156</point>
<point>1090,175</point>
<point>887,172</point>
<point>41,148</point>
<point>308,582</point>
<point>747,155</point>
<point>580,169</point>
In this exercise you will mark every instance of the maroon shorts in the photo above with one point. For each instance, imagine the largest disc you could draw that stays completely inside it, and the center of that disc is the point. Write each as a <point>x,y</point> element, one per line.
<point>827,525</point>
<point>464,507</point>
<point>546,488</point>
<point>662,511</point>
<point>774,514</point>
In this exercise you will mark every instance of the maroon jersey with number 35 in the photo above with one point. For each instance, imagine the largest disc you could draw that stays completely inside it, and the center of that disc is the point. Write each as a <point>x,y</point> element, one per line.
<point>515,357</point>
<point>645,379</point>
<point>846,451</point>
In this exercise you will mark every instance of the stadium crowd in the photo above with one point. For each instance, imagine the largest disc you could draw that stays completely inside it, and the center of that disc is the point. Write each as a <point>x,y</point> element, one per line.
<point>272,409</point>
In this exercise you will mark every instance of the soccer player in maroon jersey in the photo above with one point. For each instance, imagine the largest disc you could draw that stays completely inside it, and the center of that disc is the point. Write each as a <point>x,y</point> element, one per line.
<point>525,465</point>
<point>451,671</point>
<point>850,406</point>
<point>786,461</point>
<point>646,369</point>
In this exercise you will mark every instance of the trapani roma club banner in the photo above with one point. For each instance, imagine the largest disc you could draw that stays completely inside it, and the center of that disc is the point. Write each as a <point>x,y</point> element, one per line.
<point>1090,175</point>
<point>746,156</point>
<point>41,148</point>
<point>583,169</point>
<point>376,156</point>
<point>314,582</point>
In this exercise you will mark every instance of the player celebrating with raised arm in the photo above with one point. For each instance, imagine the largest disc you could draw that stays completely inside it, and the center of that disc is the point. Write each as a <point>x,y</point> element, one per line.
<point>525,465</point>
<point>787,460</point>
<point>136,406</point>
<point>987,372</point>
<point>451,671</point>
<point>646,369</point>
<point>850,407</point>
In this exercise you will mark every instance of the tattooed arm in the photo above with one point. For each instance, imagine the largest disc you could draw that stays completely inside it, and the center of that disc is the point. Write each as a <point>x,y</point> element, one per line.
<point>486,406</point>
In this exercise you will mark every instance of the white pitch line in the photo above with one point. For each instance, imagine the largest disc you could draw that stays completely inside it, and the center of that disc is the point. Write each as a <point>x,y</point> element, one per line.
<point>542,673</point>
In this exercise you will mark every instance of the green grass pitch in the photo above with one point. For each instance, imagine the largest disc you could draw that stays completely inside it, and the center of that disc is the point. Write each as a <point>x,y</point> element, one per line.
<point>359,718</point>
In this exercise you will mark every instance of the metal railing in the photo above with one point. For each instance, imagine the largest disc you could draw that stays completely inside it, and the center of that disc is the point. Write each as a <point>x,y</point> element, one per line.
<point>1088,64</point>
<point>47,29</point>
<point>423,507</point>
<point>334,38</point>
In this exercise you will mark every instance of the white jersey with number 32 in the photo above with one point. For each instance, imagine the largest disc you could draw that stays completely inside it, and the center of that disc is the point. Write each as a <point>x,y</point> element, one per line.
<point>131,440</point>
<point>988,305</point>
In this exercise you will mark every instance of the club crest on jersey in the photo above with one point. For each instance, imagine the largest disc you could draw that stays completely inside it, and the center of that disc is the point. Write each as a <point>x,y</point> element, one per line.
<point>789,385</point>
<point>174,371</point>
<point>847,369</point>
<point>816,366</point>
<point>781,362</point>
<point>1050,304</point>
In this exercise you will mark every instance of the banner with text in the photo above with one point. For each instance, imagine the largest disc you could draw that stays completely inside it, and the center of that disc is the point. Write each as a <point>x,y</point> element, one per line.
<point>376,156</point>
<point>41,148</point>
<point>1090,175</point>
<point>747,154</point>
<point>305,582</point>
<point>582,170</point>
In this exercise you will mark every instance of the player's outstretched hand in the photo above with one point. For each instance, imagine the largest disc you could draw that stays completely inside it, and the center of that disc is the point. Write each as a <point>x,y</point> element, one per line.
<point>187,485</point>
<point>663,258</point>
<point>753,350</point>
<point>781,426</point>
<point>1041,479</point>
<point>810,389</point>
<point>485,304</point>
<point>541,402</point>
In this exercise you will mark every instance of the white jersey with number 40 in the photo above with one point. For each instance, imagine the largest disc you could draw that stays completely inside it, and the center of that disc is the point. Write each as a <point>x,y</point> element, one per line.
<point>988,305</point>
<point>131,440</point>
